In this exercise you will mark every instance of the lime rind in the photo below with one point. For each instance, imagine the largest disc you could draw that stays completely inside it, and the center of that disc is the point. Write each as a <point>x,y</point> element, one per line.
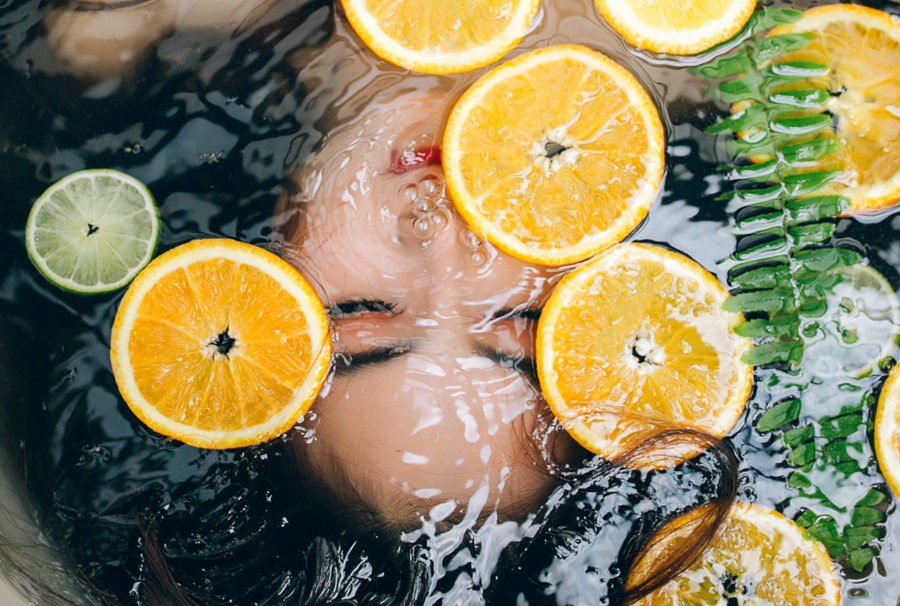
<point>866,307</point>
<point>127,220</point>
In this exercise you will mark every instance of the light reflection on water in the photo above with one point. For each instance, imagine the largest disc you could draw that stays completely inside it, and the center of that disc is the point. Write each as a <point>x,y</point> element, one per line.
<point>450,439</point>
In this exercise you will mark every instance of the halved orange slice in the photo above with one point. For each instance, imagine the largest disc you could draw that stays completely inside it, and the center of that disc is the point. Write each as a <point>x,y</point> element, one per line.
<point>676,27</point>
<point>758,557</point>
<point>441,36</point>
<point>636,342</point>
<point>861,47</point>
<point>220,344</point>
<point>554,155</point>
<point>887,431</point>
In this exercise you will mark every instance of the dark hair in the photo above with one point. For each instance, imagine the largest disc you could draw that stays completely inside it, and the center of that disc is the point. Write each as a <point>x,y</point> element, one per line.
<point>327,568</point>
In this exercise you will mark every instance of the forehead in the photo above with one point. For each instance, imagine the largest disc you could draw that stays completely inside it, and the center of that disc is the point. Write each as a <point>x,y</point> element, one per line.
<point>366,230</point>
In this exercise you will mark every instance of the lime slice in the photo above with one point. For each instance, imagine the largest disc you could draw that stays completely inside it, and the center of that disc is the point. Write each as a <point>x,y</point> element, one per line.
<point>860,327</point>
<point>93,231</point>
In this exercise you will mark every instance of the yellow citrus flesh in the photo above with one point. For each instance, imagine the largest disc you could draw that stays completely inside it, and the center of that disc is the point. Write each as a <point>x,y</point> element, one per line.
<point>554,155</point>
<point>676,27</point>
<point>861,47</point>
<point>441,36</point>
<point>758,557</point>
<point>182,378</point>
<point>636,342</point>
<point>887,431</point>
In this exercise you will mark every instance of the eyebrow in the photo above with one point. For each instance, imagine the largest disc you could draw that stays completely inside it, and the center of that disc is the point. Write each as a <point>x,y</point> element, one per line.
<point>95,6</point>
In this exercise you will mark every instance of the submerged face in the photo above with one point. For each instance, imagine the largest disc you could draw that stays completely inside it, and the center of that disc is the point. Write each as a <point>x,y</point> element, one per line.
<point>433,403</point>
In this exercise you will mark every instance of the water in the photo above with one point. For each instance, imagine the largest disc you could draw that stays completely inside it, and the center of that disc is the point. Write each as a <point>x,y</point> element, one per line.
<point>421,473</point>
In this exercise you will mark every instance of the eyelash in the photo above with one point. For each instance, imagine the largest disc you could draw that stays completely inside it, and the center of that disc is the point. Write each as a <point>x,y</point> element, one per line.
<point>374,356</point>
<point>358,307</point>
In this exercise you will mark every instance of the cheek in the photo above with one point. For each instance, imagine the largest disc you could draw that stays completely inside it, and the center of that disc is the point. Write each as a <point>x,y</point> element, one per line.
<point>404,437</point>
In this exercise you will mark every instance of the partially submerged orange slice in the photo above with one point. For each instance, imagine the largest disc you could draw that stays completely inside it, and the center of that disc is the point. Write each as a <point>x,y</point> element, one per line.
<point>555,155</point>
<point>635,343</point>
<point>441,36</point>
<point>861,47</point>
<point>220,344</point>
<point>887,431</point>
<point>676,27</point>
<point>758,557</point>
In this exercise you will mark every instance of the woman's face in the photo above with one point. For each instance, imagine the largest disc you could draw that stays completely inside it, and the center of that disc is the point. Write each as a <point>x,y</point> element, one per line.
<point>433,401</point>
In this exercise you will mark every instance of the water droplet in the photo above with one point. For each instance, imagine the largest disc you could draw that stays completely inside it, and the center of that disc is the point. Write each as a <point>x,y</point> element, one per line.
<point>432,187</point>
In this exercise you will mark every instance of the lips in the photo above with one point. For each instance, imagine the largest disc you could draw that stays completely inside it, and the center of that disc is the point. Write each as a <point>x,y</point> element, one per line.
<point>420,157</point>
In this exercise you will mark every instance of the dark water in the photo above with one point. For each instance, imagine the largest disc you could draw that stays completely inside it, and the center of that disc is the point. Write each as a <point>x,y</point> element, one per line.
<point>213,127</point>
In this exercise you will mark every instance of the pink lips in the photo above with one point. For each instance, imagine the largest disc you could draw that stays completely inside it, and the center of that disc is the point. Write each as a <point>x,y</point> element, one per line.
<point>426,155</point>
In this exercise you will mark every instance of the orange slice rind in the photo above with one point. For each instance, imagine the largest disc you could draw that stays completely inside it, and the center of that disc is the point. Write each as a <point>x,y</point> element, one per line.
<point>758,556</point>
<point>220,344</point>
<point>636,343</point>
<point>555,155</point>
<point>676,27</point>
<point>441,36</point>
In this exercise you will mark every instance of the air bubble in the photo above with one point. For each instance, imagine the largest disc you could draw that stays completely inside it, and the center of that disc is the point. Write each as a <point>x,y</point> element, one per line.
<point>432,187</point>
<point>423,206</point>
<point>469,238</point>
<point>422,228</point>
<point>410,193</point>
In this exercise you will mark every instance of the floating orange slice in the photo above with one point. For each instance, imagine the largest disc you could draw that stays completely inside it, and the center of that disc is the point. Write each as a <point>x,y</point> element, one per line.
<point>636,342</point>
<point>441,36</point>
<point>676,27</point>
<point>887,431</point>
<point>554,155</point>
<point>861,47</point>
<point>758,557</point>
<point>220,344</point>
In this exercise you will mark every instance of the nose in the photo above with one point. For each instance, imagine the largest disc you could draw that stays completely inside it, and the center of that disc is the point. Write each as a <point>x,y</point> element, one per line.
<point>447,243</point>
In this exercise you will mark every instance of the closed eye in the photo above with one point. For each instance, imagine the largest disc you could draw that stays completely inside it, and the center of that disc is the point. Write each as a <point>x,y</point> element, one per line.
<point>361,307</point>
<point>348,363</point>
<point>526,313</point>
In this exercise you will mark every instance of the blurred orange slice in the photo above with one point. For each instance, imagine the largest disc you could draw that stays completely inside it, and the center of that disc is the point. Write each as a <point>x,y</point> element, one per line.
<point>758,557</point>
<point>554,155</point>
<point>887,431</point>
<point>861,47</point>
<point>220,344</point>
<point>635,343</point>
<point>441,36</point>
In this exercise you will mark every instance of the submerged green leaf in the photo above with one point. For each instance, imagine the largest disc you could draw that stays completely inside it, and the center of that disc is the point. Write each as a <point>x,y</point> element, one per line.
<point>806,184</point>
<point>800,98</point>
<point>779,415</point>
<point>811,233</point>
<point>774,352</point>
<point>816,207</point>
<point>809,151</point>
<point>763,277</point>
<point>860,558</point>
<point>824,259</point>
<point>760,300</point>
<point>802,126</point>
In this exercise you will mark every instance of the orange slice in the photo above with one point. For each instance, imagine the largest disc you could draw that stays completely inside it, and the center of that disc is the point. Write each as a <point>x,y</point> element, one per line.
<point>887,431</point>
<point>636,342</point>
<point>441,36</point>
<point>554,155</point>
<point>861,47</point>
<point>758,557</point>
<point>220,344</point>
<point>676,27</point>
